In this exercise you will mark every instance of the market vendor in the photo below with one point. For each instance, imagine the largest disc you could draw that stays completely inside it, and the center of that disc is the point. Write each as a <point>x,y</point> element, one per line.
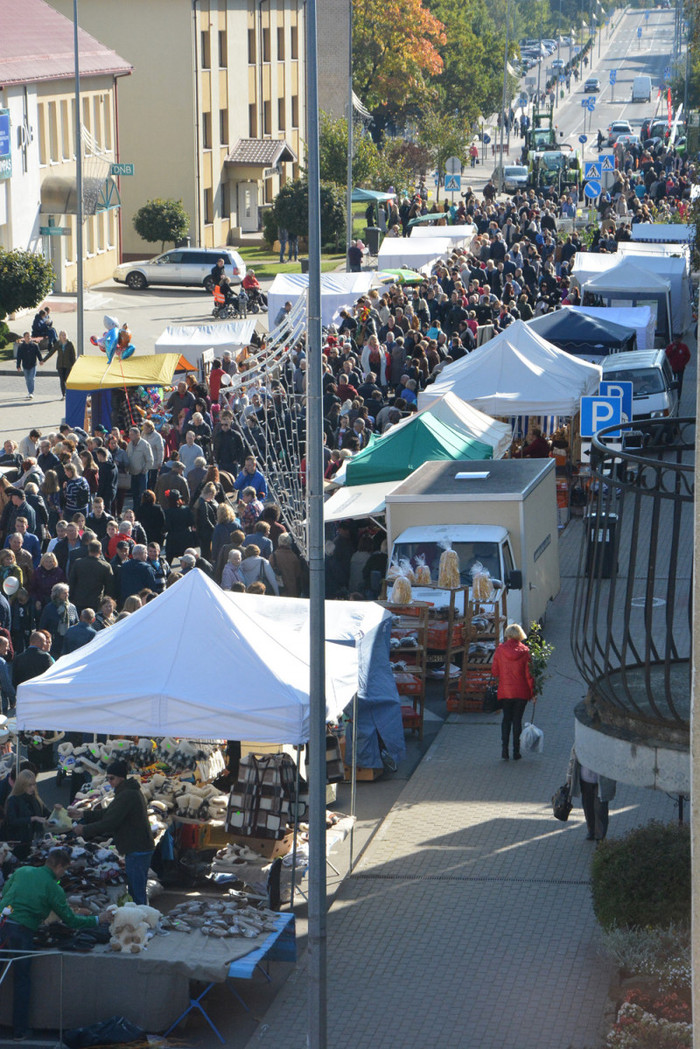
<point>29,896</point>
<point>25,813</point>
<point>126,821</point>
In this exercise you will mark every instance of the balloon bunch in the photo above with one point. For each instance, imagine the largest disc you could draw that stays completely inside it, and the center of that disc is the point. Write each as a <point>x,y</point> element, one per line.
<point>115,341</point>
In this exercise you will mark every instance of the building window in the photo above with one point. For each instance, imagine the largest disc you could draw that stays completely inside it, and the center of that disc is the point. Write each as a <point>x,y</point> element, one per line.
<point>42,133</point>
<point>223,127</point>
<point>101,219</point>
<point>295,42</point>
<point>268,191</point>
<point>206,130</point>
<point>252,121</point>
<point>208,206</point>
<point>97,121</point>
<point>108,122</point>
<point>266,45</point>
<point>87,123</point>
<point>251,47</point>
<point>67,142</point>
<point>267,118</point>
<point>280,43</point>
<point>206,49</point>
<point>90,230</point>
<point>112,228</point>
<point>223,49</point>
<point>281,114</point>
<point>226,200</point>
<point>53,133</point>
<point>295,111</point>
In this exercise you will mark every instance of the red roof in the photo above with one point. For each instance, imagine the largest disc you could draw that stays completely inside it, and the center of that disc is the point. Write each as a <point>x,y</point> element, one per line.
<point>36,43</point>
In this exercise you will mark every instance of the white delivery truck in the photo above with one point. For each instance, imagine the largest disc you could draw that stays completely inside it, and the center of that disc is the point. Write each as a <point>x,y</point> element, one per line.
<point>641,89</point>
<point>499,512</point>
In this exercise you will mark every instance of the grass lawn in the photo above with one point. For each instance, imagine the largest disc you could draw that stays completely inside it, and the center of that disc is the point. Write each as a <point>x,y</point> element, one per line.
<point>267,265</point>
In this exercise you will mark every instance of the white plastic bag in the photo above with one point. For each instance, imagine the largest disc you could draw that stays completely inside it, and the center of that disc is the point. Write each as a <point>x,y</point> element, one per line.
<point>532,738</point>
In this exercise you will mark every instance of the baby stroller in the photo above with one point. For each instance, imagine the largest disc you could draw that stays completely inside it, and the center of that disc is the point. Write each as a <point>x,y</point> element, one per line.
<point>228,304</point>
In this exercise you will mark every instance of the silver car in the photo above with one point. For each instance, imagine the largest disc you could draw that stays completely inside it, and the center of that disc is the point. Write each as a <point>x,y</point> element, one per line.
<point>514,177</point>
<point>181,266</point>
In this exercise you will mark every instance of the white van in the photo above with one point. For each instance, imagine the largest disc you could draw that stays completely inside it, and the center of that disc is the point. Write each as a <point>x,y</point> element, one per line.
<point>641,89</point>
<point>654,390</point>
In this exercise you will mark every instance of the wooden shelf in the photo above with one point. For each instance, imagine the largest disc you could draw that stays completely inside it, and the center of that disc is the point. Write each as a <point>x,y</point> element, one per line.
<point>412,618</point>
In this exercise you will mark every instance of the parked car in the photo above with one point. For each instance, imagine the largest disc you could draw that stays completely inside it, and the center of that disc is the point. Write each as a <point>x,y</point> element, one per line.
<point>627,140</point>
<point>514,177</point>
<point>182,266</point>
<point>558,63</point>
<point>618,127</point>
<point>592,84</point>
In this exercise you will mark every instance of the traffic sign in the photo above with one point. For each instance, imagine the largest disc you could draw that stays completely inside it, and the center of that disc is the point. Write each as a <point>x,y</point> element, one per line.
<point>613,76</point>
<point>583,139</point>
<point>453,183</point>
<point>646,16</point>
<point>54,231</point>
<point>590,103</point>
<point>593,189</point>
<point>486,138</point>
<point>453,166</point>
<point>599,412</point>
<point>623,390</point>
<point>639,31</point>
<point>121,169</point>
<point>607,162</point>
<point>667,73</point>
<point>5,145</point>
<point>591,169</point>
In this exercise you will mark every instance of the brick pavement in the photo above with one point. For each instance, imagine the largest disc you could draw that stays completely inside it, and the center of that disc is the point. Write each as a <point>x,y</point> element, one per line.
<point>467,921</point>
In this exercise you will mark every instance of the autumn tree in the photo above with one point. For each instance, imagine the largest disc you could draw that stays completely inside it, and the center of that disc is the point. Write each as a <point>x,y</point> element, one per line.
<point>395,51</point>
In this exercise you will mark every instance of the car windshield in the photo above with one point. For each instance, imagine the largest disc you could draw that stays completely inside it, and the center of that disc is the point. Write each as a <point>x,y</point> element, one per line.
<point>516,172</point>
<point>468,553</point>
<point>645,381</point>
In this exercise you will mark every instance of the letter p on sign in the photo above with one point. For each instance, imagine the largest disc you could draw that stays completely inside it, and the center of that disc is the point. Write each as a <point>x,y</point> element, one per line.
<point>599,412</point>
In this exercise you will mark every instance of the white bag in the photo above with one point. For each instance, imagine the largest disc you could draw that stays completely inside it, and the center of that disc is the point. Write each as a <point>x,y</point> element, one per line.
<point>532,738</point>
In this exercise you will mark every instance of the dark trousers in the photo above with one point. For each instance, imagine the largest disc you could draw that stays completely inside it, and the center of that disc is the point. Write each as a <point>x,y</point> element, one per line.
<point>137,864</point>
<point>678,376</point>
<point>595,810</point>
<point>63,374</point>
<point>513,710</point>
<point>138,487</point>
<point>19,938</point>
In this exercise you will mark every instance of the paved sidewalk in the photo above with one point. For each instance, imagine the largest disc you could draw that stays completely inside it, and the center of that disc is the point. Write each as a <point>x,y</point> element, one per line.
<point>468,922</point>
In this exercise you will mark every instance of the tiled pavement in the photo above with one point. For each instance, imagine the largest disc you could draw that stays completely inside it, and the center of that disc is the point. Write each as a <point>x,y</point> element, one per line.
<point>468,923</point>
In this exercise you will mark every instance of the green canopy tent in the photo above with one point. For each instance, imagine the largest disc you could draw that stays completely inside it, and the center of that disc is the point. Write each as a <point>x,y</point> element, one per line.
<point>400,451</point>
<point>363,196</point>
<point>400,276</point>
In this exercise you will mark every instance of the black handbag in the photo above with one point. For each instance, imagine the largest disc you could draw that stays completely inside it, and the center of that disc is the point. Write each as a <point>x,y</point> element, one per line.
<point>561,803</point>
<point>491,702</point>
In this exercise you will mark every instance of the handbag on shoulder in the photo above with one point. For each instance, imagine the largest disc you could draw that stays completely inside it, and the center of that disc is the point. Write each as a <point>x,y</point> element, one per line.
<point>491,702</point>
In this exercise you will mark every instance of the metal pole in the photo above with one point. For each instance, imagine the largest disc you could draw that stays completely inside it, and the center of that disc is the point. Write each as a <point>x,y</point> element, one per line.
<point>348,205</point>
<point>78,185</point>
<point>505,88</point>
<point>317,994</point>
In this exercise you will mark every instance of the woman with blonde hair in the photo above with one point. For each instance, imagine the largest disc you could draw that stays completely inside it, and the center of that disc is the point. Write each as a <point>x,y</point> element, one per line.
<point>25,813</point>
<point>516,687</point>
<point>44,578</point>
<point>226,523</point>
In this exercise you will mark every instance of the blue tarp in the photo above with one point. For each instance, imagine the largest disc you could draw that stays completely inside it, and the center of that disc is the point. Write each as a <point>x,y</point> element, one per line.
<point>378,703</point>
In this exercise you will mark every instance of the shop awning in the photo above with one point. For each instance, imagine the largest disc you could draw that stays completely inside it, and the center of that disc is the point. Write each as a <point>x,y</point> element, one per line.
<point>59,195</point>
<point>157,369</point>
<point>261,152</point>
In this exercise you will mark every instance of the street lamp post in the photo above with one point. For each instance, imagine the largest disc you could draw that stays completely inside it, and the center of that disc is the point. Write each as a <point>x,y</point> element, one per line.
<point>80,335</point>
<point>505,91</point>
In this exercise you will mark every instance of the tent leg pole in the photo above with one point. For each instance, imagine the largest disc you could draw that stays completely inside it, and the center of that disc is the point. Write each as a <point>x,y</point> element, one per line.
<point>296,831</point>
<point>353,783</point>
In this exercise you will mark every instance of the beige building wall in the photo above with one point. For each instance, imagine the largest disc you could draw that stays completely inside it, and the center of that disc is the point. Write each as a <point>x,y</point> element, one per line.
<point>55,133</point>
<point>333,18</point>
<point>205,75</point>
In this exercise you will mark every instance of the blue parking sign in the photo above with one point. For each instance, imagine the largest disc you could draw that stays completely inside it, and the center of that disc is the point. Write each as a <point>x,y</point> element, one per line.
<point>599,412</point>
<point>623,390</point>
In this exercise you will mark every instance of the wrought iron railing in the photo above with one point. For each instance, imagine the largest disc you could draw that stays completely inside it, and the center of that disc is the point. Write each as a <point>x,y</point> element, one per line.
<point>631,630</point>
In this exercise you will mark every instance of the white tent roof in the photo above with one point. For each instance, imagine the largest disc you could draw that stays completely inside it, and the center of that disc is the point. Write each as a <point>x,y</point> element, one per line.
<point>455,236</point>
<point>632,249</point>
<point>517,373</point>
<point>358,501</point>
<point>641,273</point>
<point>396,252</point>
<point>663,231</point>
<point>641,318</point>
<point>201,663</point>
<point>337,290</point>
<point>192,340</point>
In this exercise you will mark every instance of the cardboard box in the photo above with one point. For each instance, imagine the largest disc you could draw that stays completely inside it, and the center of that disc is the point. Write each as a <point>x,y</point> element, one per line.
<point>267,847</point>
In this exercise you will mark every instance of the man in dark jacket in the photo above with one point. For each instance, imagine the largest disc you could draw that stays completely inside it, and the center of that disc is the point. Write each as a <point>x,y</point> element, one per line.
<point>136,574</point>
<point>91,578</point>
<point>126,821</point>
<point>108,478</point>
<point>80,634</point>
<point>28,357</point>
<point>65,358</point>
<point>33,661</point>
<point>229,450</point>
<point>16,507</point>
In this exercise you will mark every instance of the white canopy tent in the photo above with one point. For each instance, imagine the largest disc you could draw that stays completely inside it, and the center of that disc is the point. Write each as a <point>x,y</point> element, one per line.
<point>358,501</point>
<point>337,290</point>
<point>202,663</point>
<point>626,283</point>
<point>653,267</point>
<point>641,318</point>
<point>517,373</point>
<point>669,232</point>
<point>454,236</point>
<point>192,341</point>
<point>632,249</point>
<point>419,253</point>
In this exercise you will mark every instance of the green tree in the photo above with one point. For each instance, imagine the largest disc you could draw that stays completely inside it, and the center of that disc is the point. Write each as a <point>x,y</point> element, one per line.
<point>162,220</point>
<point>333,153</point>
<point>442,137</point>
<point>25,279</point>
<point>291,211</point>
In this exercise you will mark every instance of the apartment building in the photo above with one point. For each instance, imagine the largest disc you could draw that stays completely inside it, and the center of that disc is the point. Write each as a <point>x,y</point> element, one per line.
<point>214,113</point>
<point>38,200</point>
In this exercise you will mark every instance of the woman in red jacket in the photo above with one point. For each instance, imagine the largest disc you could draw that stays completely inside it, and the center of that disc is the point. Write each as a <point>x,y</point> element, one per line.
<point>511,665</point>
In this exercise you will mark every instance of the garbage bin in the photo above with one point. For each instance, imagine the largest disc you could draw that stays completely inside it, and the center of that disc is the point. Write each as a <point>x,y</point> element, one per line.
<point>373,236</point>
<point>600,532</point>
<point>304,265</point>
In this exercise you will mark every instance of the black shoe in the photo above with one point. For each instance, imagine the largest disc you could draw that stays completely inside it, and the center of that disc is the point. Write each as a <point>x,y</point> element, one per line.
<point>590,837</point>
<point>504,753</point>
<point>516,756</point>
